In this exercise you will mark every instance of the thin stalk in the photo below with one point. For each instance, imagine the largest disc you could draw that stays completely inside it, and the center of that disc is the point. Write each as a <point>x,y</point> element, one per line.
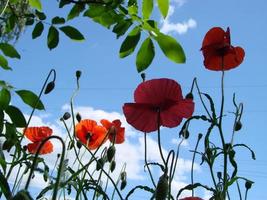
<point>239,191</point>
<point>146,163</point>
<point>16,179</point>
<point>4,9</point>
<point>176,158</point>
<point>171,153</point>
<point>159,141</point>
<point>246,194</point>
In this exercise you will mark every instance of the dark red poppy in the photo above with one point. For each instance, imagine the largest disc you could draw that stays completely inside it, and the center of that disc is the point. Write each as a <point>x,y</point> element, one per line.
<point>218,52</point>
<point>36,135</point>
<point>191,198</point>
<point>118,135</point>
<point>91,134</point>
<point>157,99</point>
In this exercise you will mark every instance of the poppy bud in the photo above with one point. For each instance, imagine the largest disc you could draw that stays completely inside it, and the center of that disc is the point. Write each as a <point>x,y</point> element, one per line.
<point>22,195</point>
<point>49,87</point>
<point>143,76</point>
<point>100,163</point>
<point>200,136</point>
<point>78,74</point>
<point>219,175</point>
<point>123,175</point>
<point>189,96</point>
<point>79,144</point>
<point>66,116</point>
<point>238,126</point>
<point>123,184</point>
<point>78,117</point>
<point>162,188</point>
<point>112,165</point>
<point>248,185</point>
<point>111,152</point>
<point>184,133</point>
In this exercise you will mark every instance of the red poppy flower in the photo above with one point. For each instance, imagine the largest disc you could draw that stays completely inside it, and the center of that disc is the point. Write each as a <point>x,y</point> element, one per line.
<point>118,133</point>
<point>218,52</point>
<point>36,135</point>
<point>46,148</point>
<point>157,97</point>
<point>90,134</point>
<point>191,198</point>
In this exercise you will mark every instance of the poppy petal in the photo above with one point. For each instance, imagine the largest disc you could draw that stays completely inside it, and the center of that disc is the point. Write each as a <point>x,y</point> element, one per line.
<point>120,136</point>
<point>156,91</point>
<point>214,36</point>
<point>98,137</point>
<point>107,124</point>
<point>46,148</point>
<point>141,116</point>
<point>37,134</point>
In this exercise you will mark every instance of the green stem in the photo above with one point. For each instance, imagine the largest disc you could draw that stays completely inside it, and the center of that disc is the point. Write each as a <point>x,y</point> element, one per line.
<point>159,141</point>
<point>4,9</point>
<point>239,191</point>
<point>146,163</point>
<point>176,158</point>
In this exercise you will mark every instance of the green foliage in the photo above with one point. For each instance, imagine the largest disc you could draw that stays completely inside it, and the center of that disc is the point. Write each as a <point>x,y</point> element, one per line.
<point>145,55</point>
<point>4,63</point>
<point>75,11</point>
<point>147,8</point>
<point>30,99</point>
<point>38,29</point>
<point>129,44</point>
<point>5,98</point>
<point>36,4</point>
<point>171,48</point>
<point>52,38</point>
<point>16,116</point>
<point>9,50</point>
<point>163,7</point>
<point>72,33</point>
<point>5,187</point>
<point>58,20</point>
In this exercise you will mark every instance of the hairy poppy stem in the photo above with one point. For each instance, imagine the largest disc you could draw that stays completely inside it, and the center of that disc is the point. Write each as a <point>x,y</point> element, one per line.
<point>159,141</point>
<point>54,196</point>
<point>193,161</point>
<point>176,158</point>
<point>239,191</point>
<point>146,163</point>
<point>171,153</point>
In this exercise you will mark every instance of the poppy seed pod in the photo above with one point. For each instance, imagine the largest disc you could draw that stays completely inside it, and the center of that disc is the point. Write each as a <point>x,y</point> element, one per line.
<point>111,152</point>
<point>123,175</point>
<point>112,165</point>
<point>123,184</point>
<point>78,74</point>
<point>49,87</point>
<point>66,116</point>
<point>78,117</point>
<point>238,126</point>
<point>143,76</point>
<point>189,96</point>
<point>162,188</point>
<point>100,164</point>
<point>248,185</point>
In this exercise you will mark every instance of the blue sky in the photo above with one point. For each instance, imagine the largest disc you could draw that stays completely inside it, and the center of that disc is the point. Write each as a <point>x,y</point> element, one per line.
<point>108,82</point>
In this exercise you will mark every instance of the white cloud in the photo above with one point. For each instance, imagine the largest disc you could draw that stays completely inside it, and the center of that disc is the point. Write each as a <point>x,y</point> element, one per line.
<point>181,27</point>
<point>179,3</point>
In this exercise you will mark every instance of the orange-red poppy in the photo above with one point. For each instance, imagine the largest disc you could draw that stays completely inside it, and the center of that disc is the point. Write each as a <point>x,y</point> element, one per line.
<point>118,135</point>
<point>218,52</point>
<point>91,134</point>
<point>158,102</point>
<point>46,148</point>
<point>36,135</point>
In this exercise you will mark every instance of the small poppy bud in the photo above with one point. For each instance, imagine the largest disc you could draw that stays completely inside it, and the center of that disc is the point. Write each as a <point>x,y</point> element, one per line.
<point>200,136</point>
<point>185,133</point>
<point>66,116</point>
<point>112,165</point>
<point>78,117</point>
<point>49,87</point>
<point>219,175</point>
<point>189,96</point>
<point>238,126</point>
<point>100,163</point>
<point>123,175</point>
<point>78,74</point>
<point>162,188</point>
<point>248,185</point>
<point>79,144</point>
<point>111,152</point>
<point>123,184</point>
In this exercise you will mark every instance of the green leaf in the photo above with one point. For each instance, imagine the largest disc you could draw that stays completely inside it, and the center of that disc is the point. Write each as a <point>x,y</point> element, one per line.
<point>30,99</point>
<point>121,27</point>
<point>38,29</point>
<point>36,4</point>
<point>9,50</point>
<point>164,7</point>
<point>129,44</point>
<point>16,116</point>
<point>62,3</point>
<point>40,15</point>
<point>4,63</point>
<point>145,55</point>
<point>72,33</point>
<point>75,11</point>
<point>95,11</point>
<point>5,98</point>
<point>58,20</point>
<point>171,48</point>
<point>147,8</point>
<point>133,10</point>
<point>52,37</point>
